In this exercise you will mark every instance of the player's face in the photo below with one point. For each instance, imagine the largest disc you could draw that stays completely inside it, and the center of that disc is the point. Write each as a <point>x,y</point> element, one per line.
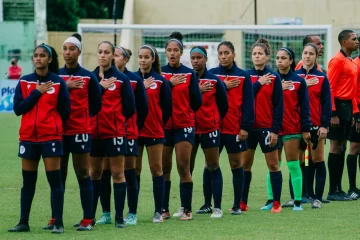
<point>258,56</point>
<point>283,61</point>
<point>173,53</point>
<point>41,58</point>
<point>145,58</point>
<point>352,43</point>
<point>309,56</point>
<point>105,55</point>
<point>70,53</point>
<point>120,59</point>
<point>316,40</point>
<point>226,56</point>
<point>198,61</point>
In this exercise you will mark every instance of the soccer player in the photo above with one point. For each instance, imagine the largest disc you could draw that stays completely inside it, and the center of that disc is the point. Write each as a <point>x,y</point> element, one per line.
<point>109,128</point>
<point>296,122</point>
<point>269,111</point>
<point>42,99</point>
<point>179,130</point>
<point>319,95</point>
<point>316,40</point>
<point>343,76</point>
<point>85,97</point>
<point>207,122</point>
<point>237,123</point>
<point>158,92</point>
<point>134,124</point>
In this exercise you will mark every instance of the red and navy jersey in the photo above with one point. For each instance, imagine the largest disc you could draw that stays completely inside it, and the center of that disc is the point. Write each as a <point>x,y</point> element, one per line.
<point>214,105</point>
<point>186,97</point>
<point>160,105</point>
<point>118,105</point>
<point>296,106</point>
<point>43,115</point>
<point>319,97</point>
<point>85,101</point>
<point>269,104</point>
<point>136,122</point>
<point>241,100</point>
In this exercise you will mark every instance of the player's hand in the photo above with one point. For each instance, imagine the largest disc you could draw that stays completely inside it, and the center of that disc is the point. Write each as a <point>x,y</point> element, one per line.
<point>148,82</point>
<point>273,139</point>
<point>108,83</point>
<point>43,88</point>
<point>335,122</point>
<point>233,83</point>
<point>177,79</point>
<point>306,136</point>
<point>322,133</point>
<point>312,81</point>
<point>243,135</point>
<point>206,87</point>
<point>71,84</point>
<point>286,85</point>
<point>266,79</point>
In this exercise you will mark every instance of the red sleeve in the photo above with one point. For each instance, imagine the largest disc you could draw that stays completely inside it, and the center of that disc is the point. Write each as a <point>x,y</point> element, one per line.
<point>334,70</point>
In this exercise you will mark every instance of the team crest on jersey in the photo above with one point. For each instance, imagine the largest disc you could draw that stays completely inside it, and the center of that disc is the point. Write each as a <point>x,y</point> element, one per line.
<point>153,86</point>
<point>113,87</point>
<point>292,88</point>
<point>51,90</point>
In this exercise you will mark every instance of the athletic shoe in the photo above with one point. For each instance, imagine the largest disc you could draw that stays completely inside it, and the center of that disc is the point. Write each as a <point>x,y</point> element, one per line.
<point>298,208</point>
<point>20,228</point>
<point>85,225</point>
<point>243,206</point>
<point>217,213</point>
<point>187,215</point>
<point>268,205</point>
<point>179,213</point>
<point>289,204</point>
<point>235,211</point>
<point>50,224</point>
<point>120,223</point>
<point>306,200</point>
<point>93,223</point>
<point>105,218</point>
<point>205,209</point>
<point>165,214</point>
<point>345,197</point>
<point>131,219</point>
<point>316,204</point>
<point>353,194</point>
<point>58,229</point>
<point>276,207</point>
<point>358,192</point>
<point>158,218</point>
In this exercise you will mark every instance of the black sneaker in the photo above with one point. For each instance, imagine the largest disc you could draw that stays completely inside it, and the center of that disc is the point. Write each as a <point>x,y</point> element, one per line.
<point>58,229</point>
<point>79,223</point>
<point>335,196</point>
<point>344,196</point>
<point>205,209</point>
<point>120,223</point>
<point>306,199</point>
<point>353,194</point>
<point>50,224</point>
<point>20,228</point>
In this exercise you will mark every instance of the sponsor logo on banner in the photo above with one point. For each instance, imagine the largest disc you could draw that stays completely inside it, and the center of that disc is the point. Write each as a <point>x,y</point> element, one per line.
<point>7,89</point>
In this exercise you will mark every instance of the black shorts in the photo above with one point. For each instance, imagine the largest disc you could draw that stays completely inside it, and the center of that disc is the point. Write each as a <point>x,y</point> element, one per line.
<point>232,144</point>
<point>262,137</point>
<point>132,148</point>
<point>79,143</point>
<point>145,141</point>
<point>208,140</point>
<point>173,137</point>
<point>354,136</point>
<point>342,132</point>
<point>34,151</point>
<point>109,147</point>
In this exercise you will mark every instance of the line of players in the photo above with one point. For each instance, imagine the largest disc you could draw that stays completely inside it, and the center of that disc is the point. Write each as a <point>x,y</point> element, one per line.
<point>115,113</point>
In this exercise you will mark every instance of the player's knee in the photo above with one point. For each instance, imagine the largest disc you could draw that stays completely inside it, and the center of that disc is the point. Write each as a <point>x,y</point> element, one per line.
<point>156,170</point>
<point>212,166</point>
<point>138,170</point>
<point>184,171</point>
<point>82,173</point>
<point>95,174</point>
<point>354,148</point>
<point>118,176</point>
<point>273,167</point>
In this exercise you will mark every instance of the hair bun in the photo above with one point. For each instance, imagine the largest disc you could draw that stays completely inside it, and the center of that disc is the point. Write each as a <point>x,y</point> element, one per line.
<point>78,36</point>
<point>266,42</point>
<point>176,35</point>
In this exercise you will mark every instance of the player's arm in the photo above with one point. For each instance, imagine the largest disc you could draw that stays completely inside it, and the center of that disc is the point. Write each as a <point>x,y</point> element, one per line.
<point>334,71</point>
<point>21,105</point>
<point>303,99</point>
<point>165,101</point>
<point>325,103</point>
<point>221,98</point>
<point>195,94</point>
<point>141,103</point>
<point>63,106</point>
<point>278,104</point>
<point>128,100</point>
<point>248,113</point>
<point>95,95</point>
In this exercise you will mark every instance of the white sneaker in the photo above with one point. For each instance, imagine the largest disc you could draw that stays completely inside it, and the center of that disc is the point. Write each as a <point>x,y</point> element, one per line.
<point>179,213</point>
<point>217,213</point>
<point>157,218</point>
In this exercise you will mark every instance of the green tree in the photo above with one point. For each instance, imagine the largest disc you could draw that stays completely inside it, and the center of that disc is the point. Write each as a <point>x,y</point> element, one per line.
<point>62,15</point>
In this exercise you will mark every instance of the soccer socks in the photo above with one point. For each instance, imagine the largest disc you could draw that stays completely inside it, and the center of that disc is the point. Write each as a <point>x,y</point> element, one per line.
<point>57,194</point>
<point>138,181</point>
<point>341,164</point>
<point>207,187</point>
<point>351,162</point>
<point>303,183</point>
<point>105,190</point>
<point>217,187</point>
<point>158,192</point>
<point>119,198</point>
<point>332,166</point>
<point>320,171</point>
<point>86,196</point>
<point>276,184</point>
<point>269,187</point>
<point>132,190</point>
<point>167,195</point>
<point>27,194</point>
<point>96,191</point>
<point>247,180</point>
<point>310,177</point>
<point>186,190</point>
<point>296,178</point>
